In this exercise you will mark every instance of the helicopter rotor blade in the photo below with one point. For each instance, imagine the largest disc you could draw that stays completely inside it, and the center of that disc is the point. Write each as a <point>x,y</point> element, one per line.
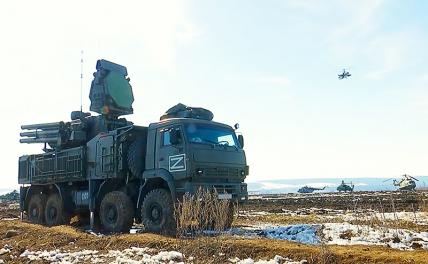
<point>410,177</point>
<point>388,179</point>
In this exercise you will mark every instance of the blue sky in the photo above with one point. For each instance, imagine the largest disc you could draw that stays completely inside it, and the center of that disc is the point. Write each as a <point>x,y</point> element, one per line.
<point>269,65</point>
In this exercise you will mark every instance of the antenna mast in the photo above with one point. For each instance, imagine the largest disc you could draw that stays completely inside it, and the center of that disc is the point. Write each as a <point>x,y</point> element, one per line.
<point>81,79</point>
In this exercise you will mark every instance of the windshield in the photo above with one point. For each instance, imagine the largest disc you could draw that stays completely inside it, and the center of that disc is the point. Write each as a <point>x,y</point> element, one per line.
<point>209,134</point>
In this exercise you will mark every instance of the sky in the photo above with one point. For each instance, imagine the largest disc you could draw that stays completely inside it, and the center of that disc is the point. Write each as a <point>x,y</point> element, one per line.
<point>270,66</point>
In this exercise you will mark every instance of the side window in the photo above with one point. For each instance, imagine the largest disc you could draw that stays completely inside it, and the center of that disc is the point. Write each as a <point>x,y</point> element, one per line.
<point>171,136</point>
<point>166,135</point>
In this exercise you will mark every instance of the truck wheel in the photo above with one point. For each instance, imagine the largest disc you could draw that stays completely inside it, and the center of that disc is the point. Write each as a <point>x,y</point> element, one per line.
<point>157,212</point>
<point>116,212</point>
<point>136,156</point>
<point>36,208</point>
<point>54,211</point>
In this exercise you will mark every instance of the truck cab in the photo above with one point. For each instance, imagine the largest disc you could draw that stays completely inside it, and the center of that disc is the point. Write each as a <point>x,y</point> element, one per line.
<point>199,154</point>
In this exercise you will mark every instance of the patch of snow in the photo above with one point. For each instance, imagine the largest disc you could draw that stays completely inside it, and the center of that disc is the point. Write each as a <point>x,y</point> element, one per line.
<point>415,217</point>
<point>303,233</point>
<point>306,234</point>
<point>276,260</point>
<point>4,251</point>
<point>91,232</point>
<point>338,234</point>
<point>129,256</point>
<point>365,235</point>
<point>9,218</point>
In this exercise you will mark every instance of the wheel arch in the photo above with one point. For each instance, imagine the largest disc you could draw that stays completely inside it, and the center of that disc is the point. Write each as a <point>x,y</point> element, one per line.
<point>61,190</point>
<point>105,187</point>
<point>153,179</point>
<point>30,190</point>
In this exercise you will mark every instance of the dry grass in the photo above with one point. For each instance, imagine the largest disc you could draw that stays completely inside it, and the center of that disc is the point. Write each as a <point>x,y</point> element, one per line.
<point>195,214</point>
<point>35,237</point>
<point>369,220</point>
<point>284,219</point>
<point>202,211</point>
<point>324,256</point>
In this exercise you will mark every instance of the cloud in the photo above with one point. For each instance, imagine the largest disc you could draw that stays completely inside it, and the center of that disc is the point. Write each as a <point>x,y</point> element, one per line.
<point>157,28</point>
<point>360,19</point>
<point>388,53</point>
<point>359,42</point>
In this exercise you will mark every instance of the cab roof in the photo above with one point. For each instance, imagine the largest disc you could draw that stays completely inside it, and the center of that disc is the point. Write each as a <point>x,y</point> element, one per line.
<point>173,121</point>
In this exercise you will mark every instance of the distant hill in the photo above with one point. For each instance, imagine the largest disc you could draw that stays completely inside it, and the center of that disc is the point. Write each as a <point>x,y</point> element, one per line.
<point>292,185</point>
<point>7,190</point>
<point>11,196</point>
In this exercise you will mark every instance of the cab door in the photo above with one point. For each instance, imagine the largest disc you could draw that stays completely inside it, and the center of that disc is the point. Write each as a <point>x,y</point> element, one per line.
<point>171,154</point>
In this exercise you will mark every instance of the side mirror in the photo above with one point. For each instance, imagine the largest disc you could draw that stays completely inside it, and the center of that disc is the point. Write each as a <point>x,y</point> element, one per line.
<point>236,126</point>
<point>241,140</point>
<point>175,137</point>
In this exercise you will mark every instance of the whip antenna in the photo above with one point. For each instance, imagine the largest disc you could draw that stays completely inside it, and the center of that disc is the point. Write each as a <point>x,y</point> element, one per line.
<point>81,79</point>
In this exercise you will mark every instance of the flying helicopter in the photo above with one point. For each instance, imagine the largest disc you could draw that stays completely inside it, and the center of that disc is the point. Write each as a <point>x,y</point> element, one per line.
<point>344,74</point>
<point>406,183</point>
<point>345,187</point>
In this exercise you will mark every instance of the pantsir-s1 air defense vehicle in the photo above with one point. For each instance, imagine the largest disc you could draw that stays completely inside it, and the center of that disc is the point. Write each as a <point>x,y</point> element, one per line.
<point>117,172</point>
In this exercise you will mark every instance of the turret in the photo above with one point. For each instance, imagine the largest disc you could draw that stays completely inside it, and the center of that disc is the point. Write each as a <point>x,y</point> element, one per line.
<point>111,96</point>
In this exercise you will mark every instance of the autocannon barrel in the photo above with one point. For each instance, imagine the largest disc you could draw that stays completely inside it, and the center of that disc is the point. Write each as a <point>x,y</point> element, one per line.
<point>43,126</point>
<point>39,140</point>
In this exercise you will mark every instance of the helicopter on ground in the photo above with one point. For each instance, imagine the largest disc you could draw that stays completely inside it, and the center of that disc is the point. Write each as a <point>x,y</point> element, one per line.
<point>308,189</point>
<point>344,74</point>
<point>345,187</point>
<point>406,183</point>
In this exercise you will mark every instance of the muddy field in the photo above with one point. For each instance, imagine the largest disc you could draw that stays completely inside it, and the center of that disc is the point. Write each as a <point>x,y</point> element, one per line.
<point>316,228</point>
<point>386,201</point>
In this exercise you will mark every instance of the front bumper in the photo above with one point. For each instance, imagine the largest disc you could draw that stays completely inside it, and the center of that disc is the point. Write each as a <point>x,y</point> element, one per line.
<point>237,190</point>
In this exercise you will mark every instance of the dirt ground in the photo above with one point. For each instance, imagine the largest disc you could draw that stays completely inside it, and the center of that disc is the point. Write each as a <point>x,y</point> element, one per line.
<point>388,201</point>
<point>204,250</point>
<point>9,210</point>
<point>19,236</point>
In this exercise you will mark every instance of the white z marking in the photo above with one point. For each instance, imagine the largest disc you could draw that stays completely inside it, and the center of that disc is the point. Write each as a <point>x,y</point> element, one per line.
<point>177,162</point>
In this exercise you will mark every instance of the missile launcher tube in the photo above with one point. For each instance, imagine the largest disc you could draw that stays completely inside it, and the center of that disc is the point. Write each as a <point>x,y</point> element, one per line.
<point>43,126</point>
<point>39,133</point>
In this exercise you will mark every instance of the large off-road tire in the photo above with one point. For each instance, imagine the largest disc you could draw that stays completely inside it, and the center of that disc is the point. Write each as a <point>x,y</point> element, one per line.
<point>157,212</point>
<point>36,208</point>
<point>55,213</point>
<point>136,156</point>
<point>116,212</point>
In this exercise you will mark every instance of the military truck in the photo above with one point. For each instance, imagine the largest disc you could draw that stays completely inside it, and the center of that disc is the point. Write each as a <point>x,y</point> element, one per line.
<point>115,172</point>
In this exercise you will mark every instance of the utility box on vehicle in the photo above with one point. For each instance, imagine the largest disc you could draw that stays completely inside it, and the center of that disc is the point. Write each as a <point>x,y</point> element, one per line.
<point>117,172</point>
